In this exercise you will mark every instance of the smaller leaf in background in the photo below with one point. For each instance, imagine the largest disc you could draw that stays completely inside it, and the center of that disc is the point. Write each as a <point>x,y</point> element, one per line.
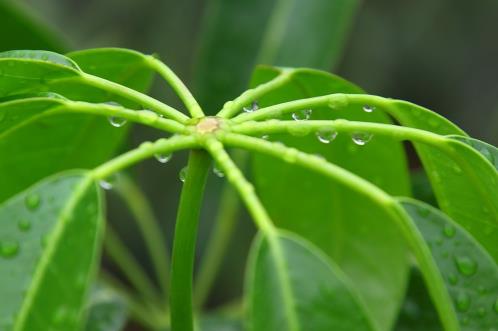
<point>304,291</point>
<point>240,34</point>
<point>107,310</point>
<point>23,30</point>
<point>219,322</point>
<point>42,230</point>
<point>469,273</point>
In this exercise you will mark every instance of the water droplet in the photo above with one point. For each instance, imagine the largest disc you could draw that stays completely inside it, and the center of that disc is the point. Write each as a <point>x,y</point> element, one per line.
<point>106,185</point>
<point>326,135</point>
<point>466,265</point>
<point>163,158</point>
<point>265,137</point>
<point>9,248</point>
<point>368,108</point>
<point>24,224</point>
<point>302,115</point>
<point>449,231</point>
<point>183,174</point>
<point>218,172</point>
<point>453,279</point>
<point>117,121</point>
<point>361,138</point>
<point>463,301</point>
<point>32,201</point>
<point>253,107</point>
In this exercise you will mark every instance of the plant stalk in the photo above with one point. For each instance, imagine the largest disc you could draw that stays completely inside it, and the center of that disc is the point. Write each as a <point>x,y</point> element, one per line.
<point>182,264</point>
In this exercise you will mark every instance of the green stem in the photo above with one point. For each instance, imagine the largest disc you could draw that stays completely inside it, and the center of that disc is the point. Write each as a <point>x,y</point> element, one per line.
<point>181,90</point>
<point>144,151</point>
<point>135,96</point>
<point>304,127</point>
<point>262,220</point>
<point>132,270</point>
<point>337,100</point>
<point>138,116</point>
<point>428,267</point>
<point>184,243</point>
<point>149,228</point>
<point>231,108</point>
<point>218,242</point>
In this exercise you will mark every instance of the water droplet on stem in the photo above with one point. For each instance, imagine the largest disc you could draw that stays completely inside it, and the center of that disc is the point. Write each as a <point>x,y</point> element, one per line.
<point>361,138</point>
<point>302,115</point>
<point>326,135</point>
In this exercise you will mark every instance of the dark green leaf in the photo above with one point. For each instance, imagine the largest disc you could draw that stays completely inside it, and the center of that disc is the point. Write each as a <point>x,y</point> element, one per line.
<point>469,273</point>
<point>352,230</point>
<point>43,228</point>
<point>107,310</point>
<point>240,34</point>
<point>304,291</point>
<point>63,141</point>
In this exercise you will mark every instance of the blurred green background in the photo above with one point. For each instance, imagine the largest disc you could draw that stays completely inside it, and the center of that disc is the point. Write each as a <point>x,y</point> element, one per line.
<point>441,54</point>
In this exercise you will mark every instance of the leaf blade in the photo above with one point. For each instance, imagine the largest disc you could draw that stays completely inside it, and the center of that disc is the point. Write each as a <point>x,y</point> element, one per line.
<point>50,229</point>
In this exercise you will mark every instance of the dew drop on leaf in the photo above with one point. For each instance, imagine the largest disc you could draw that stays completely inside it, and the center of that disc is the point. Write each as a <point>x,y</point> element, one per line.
<point>117,121</point>
<point>368,108</point>
<point>253,107</point>
<point>449,231</point>
<point>218,172</point>
<point>163,158</point>
<point>302,115</point>
<point>183,174</point>
<point>32,201</point>
<point>453,279</point>
<point>361,138</point>
<point>466,266</point>
<point>463,301</point>
<point>24,224</point>
<point>9,248</point>
<point>326,135</point>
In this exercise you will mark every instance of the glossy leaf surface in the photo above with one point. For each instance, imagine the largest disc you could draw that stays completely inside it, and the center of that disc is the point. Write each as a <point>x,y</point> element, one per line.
<point>42,228</point>
<point>303,292</point>
<point>355,232</point>
<point>470,274</point>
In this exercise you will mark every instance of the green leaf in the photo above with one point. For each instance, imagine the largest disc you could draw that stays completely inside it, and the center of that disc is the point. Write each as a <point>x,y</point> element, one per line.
<point>25,30</point>
<point>489,152</point>
<point>43,228</point>
<point>465,184</point>
<point>304,291</point>
<point>239,34</point>
<point>470,274</point>
<point>329,214</point>
<point>31,133</point>
<point>107,310</point>
<point>64,141</point>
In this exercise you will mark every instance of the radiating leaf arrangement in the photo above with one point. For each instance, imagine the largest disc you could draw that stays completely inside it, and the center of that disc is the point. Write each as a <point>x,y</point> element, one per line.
<point>331,200</point>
